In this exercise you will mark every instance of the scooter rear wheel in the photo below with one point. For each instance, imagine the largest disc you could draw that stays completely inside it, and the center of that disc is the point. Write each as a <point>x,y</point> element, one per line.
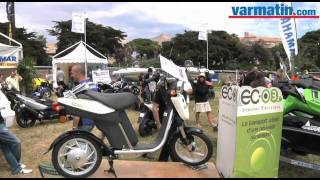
<point>76,156</point>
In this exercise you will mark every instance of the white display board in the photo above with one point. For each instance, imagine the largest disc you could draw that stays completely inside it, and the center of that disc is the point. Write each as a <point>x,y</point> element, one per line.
<point>101,76</point>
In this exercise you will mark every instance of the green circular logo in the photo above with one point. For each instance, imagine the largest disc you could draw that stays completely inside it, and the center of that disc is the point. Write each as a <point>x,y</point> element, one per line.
<point>258,159</point>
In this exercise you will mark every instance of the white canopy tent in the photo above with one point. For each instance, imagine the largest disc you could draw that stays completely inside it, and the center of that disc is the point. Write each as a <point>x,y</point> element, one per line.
<point>78,56</point>
<point>10,55</point>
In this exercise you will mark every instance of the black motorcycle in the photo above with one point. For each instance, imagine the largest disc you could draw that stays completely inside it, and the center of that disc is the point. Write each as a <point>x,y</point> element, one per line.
<point>28,110</point>
<point>147,124</point>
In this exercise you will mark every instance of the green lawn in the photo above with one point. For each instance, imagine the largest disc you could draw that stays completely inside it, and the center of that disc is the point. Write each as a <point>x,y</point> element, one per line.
<point>37,139</point>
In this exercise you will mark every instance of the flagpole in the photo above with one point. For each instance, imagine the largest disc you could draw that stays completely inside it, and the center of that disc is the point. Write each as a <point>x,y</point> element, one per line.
<point>85,46</point>
<point>207,51</point>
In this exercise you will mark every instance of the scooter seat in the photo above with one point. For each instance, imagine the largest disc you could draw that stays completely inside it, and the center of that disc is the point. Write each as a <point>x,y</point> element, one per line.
<point>115,100</point>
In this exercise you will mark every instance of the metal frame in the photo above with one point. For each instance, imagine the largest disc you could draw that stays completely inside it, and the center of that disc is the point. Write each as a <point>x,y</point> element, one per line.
<point>164,138</point>
<point>300,163</point>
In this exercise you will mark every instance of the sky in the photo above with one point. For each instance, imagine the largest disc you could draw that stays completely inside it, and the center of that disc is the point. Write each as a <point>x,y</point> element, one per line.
<point>150,19</point>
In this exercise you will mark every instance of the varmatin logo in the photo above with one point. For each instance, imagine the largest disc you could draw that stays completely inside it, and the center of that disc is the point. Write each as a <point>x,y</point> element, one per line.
<point>278,11</point>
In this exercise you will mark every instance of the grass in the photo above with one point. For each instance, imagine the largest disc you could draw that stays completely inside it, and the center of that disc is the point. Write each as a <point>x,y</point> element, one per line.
<point>37,139</point>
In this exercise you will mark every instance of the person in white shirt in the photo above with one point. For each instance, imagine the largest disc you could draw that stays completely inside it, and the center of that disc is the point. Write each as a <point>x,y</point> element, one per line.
<point>14,80</point>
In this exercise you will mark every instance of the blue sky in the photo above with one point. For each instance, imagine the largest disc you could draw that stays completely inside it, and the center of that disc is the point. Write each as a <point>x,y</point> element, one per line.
<point>147,20</point>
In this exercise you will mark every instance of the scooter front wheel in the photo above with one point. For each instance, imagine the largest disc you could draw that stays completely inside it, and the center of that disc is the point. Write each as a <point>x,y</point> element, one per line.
<point>76,156</point>
<point>197,151</point>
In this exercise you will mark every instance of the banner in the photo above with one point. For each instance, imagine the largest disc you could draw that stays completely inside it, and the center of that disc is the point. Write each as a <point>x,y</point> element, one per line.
<point>174,70</point>
<point>78,22</point>
<point>9,56</point>
<point>250,130</point>
<point>101,76</point>
<point>287,28</point>
<point>203,35</point>
<point>10,11</point>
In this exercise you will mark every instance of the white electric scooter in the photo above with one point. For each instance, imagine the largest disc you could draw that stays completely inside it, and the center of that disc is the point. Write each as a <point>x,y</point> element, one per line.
<point>79,153</point>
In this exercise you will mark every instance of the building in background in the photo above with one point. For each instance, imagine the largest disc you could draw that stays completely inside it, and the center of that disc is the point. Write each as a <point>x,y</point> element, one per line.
<point>267,41</point>
<point>161,38</point>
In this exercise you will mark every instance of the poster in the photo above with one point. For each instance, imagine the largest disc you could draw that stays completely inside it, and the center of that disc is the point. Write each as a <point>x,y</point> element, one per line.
<point>9,56</point>
<point>250,129</point>
<point>101,76</point>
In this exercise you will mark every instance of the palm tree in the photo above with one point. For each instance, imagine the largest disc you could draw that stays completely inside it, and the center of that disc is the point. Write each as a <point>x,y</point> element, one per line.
<point>27,72</point>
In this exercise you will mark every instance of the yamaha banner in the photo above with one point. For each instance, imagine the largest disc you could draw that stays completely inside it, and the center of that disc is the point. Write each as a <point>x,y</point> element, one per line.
<point>287,28</point>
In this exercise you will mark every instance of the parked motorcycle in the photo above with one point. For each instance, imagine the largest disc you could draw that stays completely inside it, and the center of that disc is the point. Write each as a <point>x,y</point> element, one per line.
<point>146,121</point>
<point>42,91</point>
<point>301,121</point>
<point>28,111</point>
<point>121,86</point>
<point>79,153</point>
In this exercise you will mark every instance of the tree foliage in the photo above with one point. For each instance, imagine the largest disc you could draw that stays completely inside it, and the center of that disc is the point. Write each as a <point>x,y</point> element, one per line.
<point>225,51</point>
<point>144,46</point>
<point>106,40</point>
<point>33,45</point>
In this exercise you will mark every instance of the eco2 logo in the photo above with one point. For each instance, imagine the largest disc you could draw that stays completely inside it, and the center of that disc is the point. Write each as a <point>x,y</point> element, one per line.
<point>254,96</point>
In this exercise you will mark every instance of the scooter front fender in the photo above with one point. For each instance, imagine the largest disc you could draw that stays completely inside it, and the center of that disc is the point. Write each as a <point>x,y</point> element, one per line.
<point>189,130</point>
<point>106,150</point>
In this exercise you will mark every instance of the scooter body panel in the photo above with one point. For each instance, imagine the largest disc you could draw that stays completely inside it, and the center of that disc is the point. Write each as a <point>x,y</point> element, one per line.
<point>89,105</point>
<point>181,106</point>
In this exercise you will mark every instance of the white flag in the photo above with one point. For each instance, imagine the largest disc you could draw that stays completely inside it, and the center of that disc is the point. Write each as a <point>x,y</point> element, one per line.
<point>203,35</point>
<point>78,22</point>
<point>174,70</point>
<point>287,28</point>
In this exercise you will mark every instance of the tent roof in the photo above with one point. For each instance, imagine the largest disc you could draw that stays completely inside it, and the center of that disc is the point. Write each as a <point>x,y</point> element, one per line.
<point>79,54</point>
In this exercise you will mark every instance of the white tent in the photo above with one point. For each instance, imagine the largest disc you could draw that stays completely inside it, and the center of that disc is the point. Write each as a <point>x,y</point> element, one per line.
<point>77,56</point>
<point>10,55</point>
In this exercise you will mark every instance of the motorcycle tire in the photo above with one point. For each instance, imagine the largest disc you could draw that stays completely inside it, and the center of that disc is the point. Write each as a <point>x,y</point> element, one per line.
<point>178,157</point>
<point>135,90</point>
<point>61,171</point>
<point>24,119</point>
<point>46,94</point>
<point>145,129</point>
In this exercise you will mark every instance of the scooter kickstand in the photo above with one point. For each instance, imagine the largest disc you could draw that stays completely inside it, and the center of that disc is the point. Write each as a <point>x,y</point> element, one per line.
<point>111,169</point>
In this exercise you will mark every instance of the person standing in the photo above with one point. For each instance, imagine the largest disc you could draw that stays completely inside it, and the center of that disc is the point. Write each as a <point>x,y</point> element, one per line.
<point>202,100</point>
<point>11,148</point>
<point>150,85</point>
<point>78,75</point>
<point>14,80</point>
<point>1,79</point>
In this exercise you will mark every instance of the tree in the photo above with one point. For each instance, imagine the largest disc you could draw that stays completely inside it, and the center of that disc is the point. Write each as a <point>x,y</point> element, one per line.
<point>145,46</point>
<point>223,48</point>
<point>33,45</point>
<point>106,40</point>
<point>309,51</point>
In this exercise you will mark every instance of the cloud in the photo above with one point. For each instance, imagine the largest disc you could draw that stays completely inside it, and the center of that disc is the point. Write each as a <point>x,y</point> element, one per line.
<point>149,19</point>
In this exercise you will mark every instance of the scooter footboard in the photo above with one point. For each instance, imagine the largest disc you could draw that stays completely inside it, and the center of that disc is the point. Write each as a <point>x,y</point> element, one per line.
<point>117,131</point>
